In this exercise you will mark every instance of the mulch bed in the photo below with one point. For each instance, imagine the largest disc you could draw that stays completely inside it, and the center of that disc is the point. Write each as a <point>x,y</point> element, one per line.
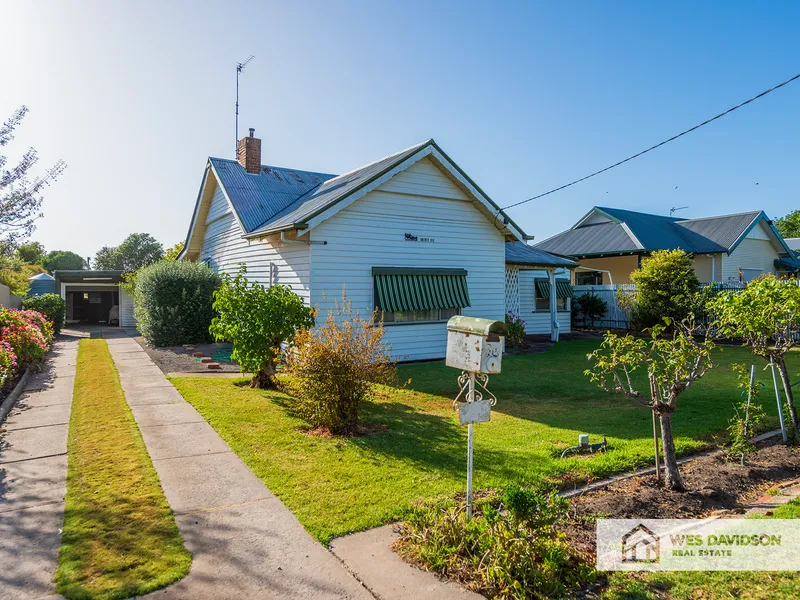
<point>716,486</point>
<point>174,359</point>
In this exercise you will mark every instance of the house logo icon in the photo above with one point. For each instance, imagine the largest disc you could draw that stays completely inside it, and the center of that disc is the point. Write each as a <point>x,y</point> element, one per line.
<point>641,545</point>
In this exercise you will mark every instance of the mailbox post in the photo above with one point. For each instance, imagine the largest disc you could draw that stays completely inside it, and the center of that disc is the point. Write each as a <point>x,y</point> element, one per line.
<point>476,347</point>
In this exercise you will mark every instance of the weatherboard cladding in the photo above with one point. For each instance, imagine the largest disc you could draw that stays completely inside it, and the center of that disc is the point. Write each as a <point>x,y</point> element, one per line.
<point>521,254</point>
<point>654,232</point>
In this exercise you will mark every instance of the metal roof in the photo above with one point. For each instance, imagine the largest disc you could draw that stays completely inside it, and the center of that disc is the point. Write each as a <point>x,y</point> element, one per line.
<point>518,253</point>
<point>82,275</point>
<point>620,234</point>
<point>42,277</point>
<point>257,198</point>
<point>793,243</point>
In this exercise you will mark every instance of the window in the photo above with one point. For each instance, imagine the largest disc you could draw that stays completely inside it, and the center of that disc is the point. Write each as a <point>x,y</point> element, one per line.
<point>542,292</point>
<point>413,295</point>
<point>588,278</point>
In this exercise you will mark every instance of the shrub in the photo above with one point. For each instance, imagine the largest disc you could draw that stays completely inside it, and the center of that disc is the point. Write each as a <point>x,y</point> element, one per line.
<point>515,330</point>
<point>257,321</point>
<point>41,322</point>
<point>591,306</point>
<point>666,286</point>
<point>332,369</point>
<point>510,549</point>
<point>51,306</point>
<point>23,333</point>
<point>173,302</point>
<point>8,363</point>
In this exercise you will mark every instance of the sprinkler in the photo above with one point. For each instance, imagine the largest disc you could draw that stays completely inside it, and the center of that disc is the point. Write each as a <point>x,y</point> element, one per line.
<point>584,446</point>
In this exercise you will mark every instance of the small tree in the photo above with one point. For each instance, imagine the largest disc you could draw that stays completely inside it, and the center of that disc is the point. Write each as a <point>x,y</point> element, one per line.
<point>747,415</point>
<point>257,321</point>
<point>333,368</point>
<point>591,306</point>
<point>672,364</point>
<point>765,315</point>
<point>666,286</point>
<point>31,253</point>
<point>173,251</point>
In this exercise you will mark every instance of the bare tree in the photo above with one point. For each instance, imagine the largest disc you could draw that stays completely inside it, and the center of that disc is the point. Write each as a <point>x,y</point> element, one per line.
<point>20,194</point>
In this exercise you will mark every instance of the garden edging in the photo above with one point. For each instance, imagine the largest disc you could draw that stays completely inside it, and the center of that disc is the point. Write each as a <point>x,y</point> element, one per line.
<point>596,485</point>
<point>12,398</point>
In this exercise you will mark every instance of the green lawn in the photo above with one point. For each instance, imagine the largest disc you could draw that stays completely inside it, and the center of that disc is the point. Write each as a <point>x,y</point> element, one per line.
<point>119,536</point>
<point>335,486</point>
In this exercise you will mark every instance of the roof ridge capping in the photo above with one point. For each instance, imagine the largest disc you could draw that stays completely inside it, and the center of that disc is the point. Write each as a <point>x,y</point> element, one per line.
<point>739,214</point>
<point>375,162</point>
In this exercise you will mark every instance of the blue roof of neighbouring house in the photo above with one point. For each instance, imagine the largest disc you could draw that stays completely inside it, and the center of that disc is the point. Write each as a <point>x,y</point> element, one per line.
<point>616,231</point>
<point>518,253</point>
<point>278,199</point>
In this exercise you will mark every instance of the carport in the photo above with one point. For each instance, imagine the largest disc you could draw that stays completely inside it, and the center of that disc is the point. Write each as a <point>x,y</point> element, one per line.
<point>95,297</point>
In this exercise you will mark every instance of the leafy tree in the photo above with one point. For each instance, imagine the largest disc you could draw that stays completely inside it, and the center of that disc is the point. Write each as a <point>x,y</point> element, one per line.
<point>789,225</point>
<point>14,273</point>
<point>137,251</point>
<point>666,286</point>
<point>31,253</point>
<point>20,195</point>
<point>107,259</point>
<point>672,364</point>
<point>173,251</point>
<point>63,260</point>
<point>765,315</point>
<point>257,321</point>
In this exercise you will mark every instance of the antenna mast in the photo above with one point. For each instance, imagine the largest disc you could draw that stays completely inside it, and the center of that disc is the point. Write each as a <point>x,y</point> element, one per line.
<point>239,68</point>
<point>675,209</point>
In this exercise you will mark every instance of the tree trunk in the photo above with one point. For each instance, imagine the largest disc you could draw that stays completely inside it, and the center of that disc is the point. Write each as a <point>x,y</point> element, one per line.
<point>265,379</point>
<point>672,477</point>
<point>787,389</point>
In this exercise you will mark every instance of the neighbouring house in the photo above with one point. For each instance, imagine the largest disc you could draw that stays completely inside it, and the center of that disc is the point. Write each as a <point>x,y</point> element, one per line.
<point>609,244</point>
<point>410,234</point>
<point>92,297</point>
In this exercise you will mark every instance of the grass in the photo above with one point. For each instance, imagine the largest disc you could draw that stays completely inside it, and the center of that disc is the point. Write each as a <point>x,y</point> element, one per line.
<point>119,537</point>
<point>335,486</point>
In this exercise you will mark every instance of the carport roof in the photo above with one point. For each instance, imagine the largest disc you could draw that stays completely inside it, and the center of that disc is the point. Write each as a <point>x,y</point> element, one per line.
<point>84,276</point>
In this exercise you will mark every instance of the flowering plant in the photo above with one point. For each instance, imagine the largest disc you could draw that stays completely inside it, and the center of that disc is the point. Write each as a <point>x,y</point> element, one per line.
<point>515,330</point>
<point>25,337</point>
<point>8,363</point>
<point>40,321</point>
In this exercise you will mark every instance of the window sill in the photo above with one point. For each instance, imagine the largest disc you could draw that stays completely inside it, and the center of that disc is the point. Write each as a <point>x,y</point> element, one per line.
<point>404,323</point>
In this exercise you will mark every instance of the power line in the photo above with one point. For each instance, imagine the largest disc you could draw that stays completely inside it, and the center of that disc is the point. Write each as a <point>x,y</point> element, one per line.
<point>673,138</point>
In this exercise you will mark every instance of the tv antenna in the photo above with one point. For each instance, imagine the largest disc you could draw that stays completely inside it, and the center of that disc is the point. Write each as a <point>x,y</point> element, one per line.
<point>675,209</point>
<point>239,68</point>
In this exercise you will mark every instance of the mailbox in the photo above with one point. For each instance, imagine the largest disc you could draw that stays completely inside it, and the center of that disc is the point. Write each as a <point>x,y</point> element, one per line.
<point>475,345</point>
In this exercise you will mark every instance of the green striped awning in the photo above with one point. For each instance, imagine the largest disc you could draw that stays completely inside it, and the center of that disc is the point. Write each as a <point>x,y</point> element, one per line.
<point>402,290</point>
<point>563,288</point>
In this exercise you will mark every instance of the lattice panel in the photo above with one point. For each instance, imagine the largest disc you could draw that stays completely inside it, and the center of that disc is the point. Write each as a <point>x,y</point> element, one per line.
<point>512,290</point>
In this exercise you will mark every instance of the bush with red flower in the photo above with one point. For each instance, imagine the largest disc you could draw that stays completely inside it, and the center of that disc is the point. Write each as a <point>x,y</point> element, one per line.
<point>27,332</point>
<point>8,363</point>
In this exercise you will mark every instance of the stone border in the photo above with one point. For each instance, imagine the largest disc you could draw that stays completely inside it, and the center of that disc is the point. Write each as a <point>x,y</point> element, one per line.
<point>12,398</point>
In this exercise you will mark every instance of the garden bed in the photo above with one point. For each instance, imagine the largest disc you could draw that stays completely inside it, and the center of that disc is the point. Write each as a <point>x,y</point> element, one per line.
<point>174,359</point>
<point>716,487</point>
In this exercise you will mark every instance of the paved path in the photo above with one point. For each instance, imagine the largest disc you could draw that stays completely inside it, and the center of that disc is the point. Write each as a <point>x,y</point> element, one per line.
<point>245,542</point>
<point>33,472</point>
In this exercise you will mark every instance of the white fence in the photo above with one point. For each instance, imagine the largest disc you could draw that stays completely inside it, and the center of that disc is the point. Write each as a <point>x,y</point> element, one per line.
<point>616,316</point>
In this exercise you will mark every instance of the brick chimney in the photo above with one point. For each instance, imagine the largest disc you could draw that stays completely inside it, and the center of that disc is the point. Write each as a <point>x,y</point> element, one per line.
<point>249,154</point>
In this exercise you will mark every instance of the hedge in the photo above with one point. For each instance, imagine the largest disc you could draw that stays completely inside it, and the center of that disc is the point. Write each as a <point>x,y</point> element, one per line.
<point>51,306</point>
<point>173,302</point>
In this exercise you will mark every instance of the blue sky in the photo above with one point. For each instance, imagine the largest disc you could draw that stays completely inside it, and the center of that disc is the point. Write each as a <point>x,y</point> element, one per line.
<point>524,96</point>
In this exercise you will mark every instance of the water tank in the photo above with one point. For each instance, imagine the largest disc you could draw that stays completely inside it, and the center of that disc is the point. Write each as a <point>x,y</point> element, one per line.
<point>41,284</point>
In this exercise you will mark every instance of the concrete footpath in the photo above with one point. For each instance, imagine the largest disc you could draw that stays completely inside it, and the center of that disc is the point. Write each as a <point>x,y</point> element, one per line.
<point>245,543</point>
<point>33,473</point>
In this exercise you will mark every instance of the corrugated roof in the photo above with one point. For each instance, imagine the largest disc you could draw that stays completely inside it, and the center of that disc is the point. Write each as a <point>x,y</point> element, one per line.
<point>654,232</point>
<point>42,277</point>
<point>518,253</point>
<point>793,243</point>
<point>334,189</point>
<point>259,198</point>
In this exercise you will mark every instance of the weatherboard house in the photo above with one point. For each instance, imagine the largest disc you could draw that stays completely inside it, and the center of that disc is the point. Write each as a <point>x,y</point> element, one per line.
<point>410,234</point>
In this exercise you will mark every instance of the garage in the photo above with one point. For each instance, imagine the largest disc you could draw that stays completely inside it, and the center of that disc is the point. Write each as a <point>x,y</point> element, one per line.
<point>95,298</point>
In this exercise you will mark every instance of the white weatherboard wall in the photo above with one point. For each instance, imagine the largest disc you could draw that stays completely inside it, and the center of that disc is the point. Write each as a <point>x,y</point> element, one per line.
<point>538,321</point>
<point>126,318</point>
<point>424,202</point>
<point>754,252</point>
<point>225,249</point>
